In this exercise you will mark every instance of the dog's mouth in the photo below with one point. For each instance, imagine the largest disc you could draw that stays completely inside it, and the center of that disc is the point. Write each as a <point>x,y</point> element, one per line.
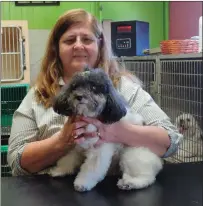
<point>182,129</point>
<point>81,108</point>
<point>84,110</point>
<point>79,104</point>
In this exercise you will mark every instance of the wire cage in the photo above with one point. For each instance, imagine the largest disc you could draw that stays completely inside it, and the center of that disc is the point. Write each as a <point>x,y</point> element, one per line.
<point>176,84</point>
<point>15,60</point>
<point>11,97</point>
<point>13,55</point>
<point>181,97</point>
<point>142,68</point>
<point>5,169</point>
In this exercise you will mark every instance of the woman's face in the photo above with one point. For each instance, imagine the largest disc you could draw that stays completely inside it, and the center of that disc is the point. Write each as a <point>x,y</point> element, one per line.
<point>78,47</point>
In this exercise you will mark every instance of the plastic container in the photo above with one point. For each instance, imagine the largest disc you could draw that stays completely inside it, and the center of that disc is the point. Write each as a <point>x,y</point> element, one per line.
<point>179,46</point>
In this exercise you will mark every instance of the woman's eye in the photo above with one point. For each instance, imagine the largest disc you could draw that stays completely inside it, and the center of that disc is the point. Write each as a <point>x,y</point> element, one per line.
<point>88,40</point>
<point>84,40</point>
<point>69,41</point>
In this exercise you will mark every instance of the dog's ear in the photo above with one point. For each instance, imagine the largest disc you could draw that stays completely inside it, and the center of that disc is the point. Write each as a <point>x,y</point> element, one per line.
<point>115,108</point>
<point>60,103</point>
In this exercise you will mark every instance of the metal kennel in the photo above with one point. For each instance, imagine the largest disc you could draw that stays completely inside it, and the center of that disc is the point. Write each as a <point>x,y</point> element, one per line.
<point>11,97</point>
<point>12,54</point>
<point>5,169</point>
<point>144,68</point>
<point>176,84</point>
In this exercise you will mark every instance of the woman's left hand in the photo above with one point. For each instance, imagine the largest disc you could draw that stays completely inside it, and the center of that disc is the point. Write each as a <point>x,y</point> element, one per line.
<point>102,131</point>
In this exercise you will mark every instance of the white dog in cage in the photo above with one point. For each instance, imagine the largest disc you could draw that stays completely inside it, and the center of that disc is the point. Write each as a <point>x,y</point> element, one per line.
<point>191,148</point>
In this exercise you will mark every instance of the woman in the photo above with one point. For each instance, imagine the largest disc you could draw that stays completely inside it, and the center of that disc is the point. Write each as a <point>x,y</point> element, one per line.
<point>39,137</point>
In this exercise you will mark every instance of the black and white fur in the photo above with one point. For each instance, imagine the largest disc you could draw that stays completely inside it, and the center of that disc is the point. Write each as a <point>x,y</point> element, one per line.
<point>91,93</point>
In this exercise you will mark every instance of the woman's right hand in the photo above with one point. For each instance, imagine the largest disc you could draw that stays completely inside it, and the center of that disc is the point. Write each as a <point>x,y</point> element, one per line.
<point>73,128</point>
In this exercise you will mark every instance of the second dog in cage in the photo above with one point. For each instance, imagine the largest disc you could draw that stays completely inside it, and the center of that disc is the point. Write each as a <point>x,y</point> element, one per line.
<point>192,145</point>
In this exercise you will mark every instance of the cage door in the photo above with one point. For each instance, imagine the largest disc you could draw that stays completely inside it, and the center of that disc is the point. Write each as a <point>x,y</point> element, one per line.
<point>12,54</point>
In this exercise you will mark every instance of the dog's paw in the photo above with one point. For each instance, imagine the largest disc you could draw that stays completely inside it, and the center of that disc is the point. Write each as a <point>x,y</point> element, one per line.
<point>83,185</point>
<point>123,185</point>
<point>81,188</point>
<point>128,183</point>
<point>56,172</point>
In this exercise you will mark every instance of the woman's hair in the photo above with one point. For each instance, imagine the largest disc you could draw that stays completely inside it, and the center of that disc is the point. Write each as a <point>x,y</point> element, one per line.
<point>47,82</point>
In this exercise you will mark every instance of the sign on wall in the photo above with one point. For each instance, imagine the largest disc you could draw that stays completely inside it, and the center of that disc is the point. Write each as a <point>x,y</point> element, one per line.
<point>37,3</point>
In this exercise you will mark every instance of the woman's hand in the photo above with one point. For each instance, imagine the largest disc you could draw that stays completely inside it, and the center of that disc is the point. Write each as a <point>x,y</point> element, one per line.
<point>103,131</point>
<point>73,128</point>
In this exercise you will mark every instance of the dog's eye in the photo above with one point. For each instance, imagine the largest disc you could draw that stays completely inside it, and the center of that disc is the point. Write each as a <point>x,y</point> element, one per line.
<point>94,88</point>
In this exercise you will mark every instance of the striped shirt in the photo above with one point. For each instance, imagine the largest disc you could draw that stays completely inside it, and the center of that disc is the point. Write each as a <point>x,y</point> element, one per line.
<point>32,122</point>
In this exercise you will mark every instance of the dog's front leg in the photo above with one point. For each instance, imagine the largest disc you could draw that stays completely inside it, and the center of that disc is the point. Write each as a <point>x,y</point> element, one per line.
<point>67,164</point>
<point>95,167</point>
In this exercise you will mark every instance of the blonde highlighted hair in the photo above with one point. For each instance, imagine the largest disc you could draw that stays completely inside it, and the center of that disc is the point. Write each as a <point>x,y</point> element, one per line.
<point>47,82</point>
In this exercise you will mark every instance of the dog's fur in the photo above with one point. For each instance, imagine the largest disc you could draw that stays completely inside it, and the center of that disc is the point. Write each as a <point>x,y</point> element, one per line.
<point>92,94</point>
<point>191,146</point>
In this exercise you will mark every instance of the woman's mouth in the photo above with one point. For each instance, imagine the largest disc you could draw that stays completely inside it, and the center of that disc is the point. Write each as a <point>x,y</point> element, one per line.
<point>80,57</point>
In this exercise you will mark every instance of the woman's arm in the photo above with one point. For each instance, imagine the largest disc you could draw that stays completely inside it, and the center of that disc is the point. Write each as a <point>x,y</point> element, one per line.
<point>38,155</point>
<point>27,154</point>
<point>152,137</point>
<point>160,135</point>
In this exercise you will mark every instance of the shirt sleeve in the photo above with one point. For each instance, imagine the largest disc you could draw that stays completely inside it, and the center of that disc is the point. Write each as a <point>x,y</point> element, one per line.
<point>143,103</point>
<point>24,130</point>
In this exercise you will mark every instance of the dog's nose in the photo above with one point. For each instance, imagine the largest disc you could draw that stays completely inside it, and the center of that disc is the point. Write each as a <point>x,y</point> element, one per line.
<point>79,97</point>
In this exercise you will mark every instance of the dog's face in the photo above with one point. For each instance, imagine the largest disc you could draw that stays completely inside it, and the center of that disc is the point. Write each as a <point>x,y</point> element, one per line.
<point>185,122</point>
<point>90,93</point>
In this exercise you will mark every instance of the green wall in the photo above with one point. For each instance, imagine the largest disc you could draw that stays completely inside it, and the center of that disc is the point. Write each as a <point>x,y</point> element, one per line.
<point>41,17</point>
<point>152,12</point>
<point>44,17</point>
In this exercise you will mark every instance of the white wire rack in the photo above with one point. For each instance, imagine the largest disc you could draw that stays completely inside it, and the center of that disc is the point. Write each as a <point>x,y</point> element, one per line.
<point>144,70</point>
<point>12,54</point>
<point>176,84</point>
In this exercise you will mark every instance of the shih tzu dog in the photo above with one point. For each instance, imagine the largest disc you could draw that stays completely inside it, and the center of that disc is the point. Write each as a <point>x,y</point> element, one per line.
<point>192,144</point>
<point>92,94</point>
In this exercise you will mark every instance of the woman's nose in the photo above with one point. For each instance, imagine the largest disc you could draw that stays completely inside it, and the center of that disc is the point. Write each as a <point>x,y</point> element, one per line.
<point>78,43</point>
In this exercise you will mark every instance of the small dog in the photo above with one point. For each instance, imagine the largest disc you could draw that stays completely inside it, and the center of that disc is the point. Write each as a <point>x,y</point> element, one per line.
<point>91,93</point>
<point>192,144</point>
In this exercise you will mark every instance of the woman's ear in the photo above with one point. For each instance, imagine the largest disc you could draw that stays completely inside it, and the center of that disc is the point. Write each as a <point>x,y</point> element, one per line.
<point>114,109</point>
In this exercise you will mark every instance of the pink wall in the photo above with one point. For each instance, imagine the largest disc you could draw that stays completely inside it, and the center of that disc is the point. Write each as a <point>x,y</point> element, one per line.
<point>184,19</point>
